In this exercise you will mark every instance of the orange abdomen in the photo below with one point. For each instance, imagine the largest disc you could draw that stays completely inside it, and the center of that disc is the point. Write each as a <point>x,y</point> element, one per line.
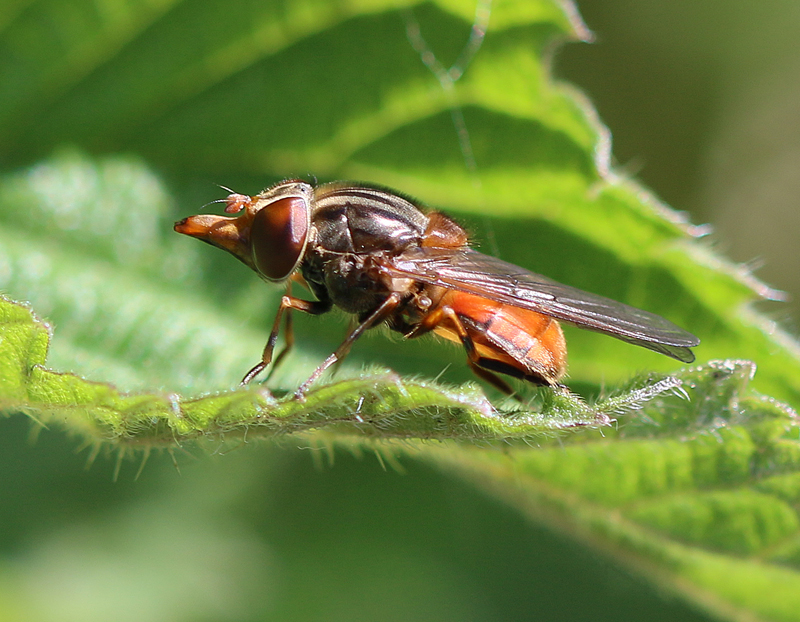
<point>515,341</point>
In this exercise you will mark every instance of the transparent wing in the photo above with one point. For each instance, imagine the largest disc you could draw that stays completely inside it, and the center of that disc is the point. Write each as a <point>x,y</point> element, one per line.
<point>475,273</point>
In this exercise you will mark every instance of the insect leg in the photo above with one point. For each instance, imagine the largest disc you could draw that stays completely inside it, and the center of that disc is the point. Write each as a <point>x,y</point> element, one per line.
<point>335,367</point>
<point>379,315</point>
<point>288,335</point>
<point>314,307</point>
<point>288,343</point>
<point>473,358</point>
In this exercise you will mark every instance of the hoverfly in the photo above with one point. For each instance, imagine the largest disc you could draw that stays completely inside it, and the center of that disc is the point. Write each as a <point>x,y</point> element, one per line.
<point>377,255</point>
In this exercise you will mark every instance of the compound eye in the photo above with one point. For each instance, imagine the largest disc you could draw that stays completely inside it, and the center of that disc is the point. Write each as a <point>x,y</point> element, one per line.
<point>278,237</point>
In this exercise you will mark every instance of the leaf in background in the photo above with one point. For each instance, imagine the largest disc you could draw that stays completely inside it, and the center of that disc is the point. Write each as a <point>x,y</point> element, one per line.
<point>243,94</point>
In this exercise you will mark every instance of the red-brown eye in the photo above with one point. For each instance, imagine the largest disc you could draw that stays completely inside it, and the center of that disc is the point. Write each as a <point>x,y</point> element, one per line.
<point>278,237</point>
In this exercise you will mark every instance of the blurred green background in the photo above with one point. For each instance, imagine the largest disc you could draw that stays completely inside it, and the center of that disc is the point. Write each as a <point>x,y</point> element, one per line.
<point>702,102</point>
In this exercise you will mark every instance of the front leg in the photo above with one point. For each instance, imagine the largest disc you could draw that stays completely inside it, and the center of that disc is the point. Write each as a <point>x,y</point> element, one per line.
<point>288,302</point>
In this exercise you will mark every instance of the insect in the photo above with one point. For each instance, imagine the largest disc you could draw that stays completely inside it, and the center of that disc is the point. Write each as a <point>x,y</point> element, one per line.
<point>378,255</point>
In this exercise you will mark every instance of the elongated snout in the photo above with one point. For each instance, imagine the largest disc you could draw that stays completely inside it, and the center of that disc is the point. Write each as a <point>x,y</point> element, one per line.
<point>228,233</point>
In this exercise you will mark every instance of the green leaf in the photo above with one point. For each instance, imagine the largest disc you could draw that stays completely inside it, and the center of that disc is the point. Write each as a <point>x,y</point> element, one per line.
<point>704,498</point>
<point>376,405</point>
<point>698,489</point>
